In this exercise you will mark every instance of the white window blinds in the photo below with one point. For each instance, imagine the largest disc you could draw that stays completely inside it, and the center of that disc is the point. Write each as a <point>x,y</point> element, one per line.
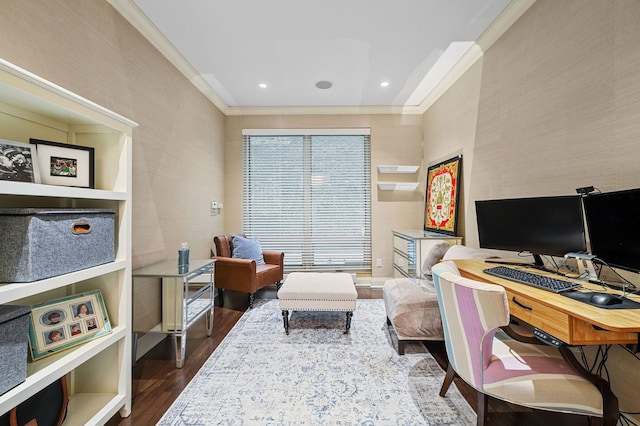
<point>308,195</point>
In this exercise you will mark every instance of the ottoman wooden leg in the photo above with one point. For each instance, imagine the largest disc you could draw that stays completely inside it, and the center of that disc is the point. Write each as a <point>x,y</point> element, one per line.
<point>285,318</point>
<point>349,315</point>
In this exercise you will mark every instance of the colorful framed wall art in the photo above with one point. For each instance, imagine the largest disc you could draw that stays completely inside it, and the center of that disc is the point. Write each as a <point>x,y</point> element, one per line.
<point>441,201</point>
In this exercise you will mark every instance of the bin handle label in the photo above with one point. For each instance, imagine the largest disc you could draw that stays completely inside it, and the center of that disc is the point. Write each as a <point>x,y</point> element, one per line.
<point>80,228</point>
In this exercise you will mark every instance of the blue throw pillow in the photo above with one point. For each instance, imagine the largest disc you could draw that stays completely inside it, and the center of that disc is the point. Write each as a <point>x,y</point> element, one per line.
<point>247,248</point>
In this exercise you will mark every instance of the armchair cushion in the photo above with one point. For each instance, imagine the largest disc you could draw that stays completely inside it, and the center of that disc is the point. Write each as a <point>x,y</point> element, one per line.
<point>247,248</point>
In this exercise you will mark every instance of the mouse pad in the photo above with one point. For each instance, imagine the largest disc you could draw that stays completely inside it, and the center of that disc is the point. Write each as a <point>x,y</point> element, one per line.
<point>585,297</point>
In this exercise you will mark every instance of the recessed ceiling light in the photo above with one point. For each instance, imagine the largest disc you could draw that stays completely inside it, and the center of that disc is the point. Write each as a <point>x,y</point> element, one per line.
<point>323,84</point>
<point>262,85</point>
<point>384,84</point>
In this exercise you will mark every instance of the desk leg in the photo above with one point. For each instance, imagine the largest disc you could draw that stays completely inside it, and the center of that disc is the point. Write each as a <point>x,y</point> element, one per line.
<point>209,319</point>
<point>180,341</point>
<point>134,349</point>
<point>209,315</point>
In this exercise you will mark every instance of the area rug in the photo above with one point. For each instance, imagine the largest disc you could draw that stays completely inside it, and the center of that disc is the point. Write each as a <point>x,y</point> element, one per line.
<point>317,375</point>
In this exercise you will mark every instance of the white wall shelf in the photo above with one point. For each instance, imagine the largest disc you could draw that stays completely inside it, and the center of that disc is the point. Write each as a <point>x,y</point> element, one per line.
<point>398,169</point>
<point>398,186</point>
<point>99,371</point>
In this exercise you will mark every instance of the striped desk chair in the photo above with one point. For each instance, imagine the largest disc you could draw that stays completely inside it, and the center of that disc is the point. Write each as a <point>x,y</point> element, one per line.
<point>484,352</point>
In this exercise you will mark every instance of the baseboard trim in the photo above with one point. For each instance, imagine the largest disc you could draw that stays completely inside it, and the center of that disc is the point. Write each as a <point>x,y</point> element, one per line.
<point>148,341</point>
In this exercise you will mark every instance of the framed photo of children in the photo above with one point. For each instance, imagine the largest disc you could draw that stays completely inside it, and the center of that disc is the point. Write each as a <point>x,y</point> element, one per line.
<point>443,188</point>
<point>66,322</point>
<point>64,164</point>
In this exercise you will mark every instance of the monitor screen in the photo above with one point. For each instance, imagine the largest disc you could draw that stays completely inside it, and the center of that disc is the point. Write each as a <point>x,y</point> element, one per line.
<point>613,225</point>
<point>540,225</point>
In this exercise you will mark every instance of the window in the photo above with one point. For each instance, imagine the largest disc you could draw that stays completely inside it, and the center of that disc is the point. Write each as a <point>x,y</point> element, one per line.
<point>308,193</point>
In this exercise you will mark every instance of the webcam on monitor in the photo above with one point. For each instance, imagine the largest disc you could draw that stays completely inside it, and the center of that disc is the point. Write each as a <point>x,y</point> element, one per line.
<point>585,190</point>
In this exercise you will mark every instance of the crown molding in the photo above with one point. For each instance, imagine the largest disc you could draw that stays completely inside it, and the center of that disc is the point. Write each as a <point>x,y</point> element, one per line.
<point>505,20</point>
<point>323,110</point>
<point>139,21</point>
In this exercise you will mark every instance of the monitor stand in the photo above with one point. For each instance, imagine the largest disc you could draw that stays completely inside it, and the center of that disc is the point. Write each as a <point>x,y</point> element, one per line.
<point>537,263</point>
<point>508,261</point>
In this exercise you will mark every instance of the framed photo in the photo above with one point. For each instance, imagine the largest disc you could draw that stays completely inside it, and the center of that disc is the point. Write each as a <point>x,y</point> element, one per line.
<point>65,165</point>
<point>18,162</point>
<point>441,202</point>
<point>63,323</point>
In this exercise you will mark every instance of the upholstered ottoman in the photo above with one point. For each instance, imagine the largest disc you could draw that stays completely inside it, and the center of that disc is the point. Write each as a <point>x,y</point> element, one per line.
<point>317,291</point>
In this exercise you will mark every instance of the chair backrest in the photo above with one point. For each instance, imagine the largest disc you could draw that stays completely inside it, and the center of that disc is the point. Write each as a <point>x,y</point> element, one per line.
<point>471,312</point>
<point>224,245</point>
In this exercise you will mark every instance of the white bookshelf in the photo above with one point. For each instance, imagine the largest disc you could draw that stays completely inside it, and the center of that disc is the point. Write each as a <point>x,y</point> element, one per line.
<point>98,372</point>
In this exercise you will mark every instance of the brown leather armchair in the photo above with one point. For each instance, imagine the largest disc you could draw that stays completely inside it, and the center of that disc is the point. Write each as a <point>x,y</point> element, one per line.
<point>242,274</point>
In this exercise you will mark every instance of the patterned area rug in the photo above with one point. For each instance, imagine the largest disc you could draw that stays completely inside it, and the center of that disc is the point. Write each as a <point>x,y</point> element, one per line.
<point>317,375</point>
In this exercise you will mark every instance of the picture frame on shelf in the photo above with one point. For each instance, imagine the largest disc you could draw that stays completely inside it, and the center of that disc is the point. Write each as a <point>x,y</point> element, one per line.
<point>67,322</point>
<point>64,164</point>
<point>18,162</point>
<point>441,201</point>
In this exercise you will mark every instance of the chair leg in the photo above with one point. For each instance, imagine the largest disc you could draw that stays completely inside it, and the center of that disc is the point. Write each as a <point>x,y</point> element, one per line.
<point>278,285</point>
<point>252,296</point>
<point>220,298</point>
<point>483,408</point>
<point>448,379</point>
<point>401,347</point>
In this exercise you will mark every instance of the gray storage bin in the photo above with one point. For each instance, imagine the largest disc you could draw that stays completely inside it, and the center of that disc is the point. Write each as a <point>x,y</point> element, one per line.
<point>40,243</point>
<point>14,338</point>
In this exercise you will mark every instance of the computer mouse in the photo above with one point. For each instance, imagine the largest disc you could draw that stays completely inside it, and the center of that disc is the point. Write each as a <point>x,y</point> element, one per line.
<point>605,299</point>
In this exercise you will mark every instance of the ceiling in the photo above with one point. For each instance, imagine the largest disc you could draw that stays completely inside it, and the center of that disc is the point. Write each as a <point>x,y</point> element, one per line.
<point>228,47</point>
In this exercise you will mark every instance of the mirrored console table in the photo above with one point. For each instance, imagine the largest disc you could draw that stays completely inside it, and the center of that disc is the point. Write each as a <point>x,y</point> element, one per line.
<point>183,302</point>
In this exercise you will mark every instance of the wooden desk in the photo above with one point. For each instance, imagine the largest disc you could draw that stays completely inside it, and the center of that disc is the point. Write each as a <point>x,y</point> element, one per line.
<point>574,322</point>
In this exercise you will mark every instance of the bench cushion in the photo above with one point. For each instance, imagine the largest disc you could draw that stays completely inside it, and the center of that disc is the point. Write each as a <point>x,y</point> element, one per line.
<point>318,291</point>
<point>412,308</point>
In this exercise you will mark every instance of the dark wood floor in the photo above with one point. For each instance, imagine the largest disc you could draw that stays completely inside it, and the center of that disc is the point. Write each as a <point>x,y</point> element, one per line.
<point>157,382</point>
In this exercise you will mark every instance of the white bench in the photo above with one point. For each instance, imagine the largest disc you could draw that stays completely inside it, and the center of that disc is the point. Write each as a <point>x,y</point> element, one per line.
<point>317,291</point>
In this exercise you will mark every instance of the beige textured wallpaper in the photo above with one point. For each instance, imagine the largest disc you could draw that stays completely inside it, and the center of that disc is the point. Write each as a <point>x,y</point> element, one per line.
<point>552,106</point>
<point>88,48</point>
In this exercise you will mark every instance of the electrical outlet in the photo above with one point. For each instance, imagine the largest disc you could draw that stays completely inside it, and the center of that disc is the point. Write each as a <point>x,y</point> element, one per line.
<point>400,262</point>
<point>378,263</point>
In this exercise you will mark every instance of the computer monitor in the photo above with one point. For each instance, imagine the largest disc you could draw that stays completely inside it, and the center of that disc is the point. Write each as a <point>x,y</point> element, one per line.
<point>613,226</point>
<point>539,225</point>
